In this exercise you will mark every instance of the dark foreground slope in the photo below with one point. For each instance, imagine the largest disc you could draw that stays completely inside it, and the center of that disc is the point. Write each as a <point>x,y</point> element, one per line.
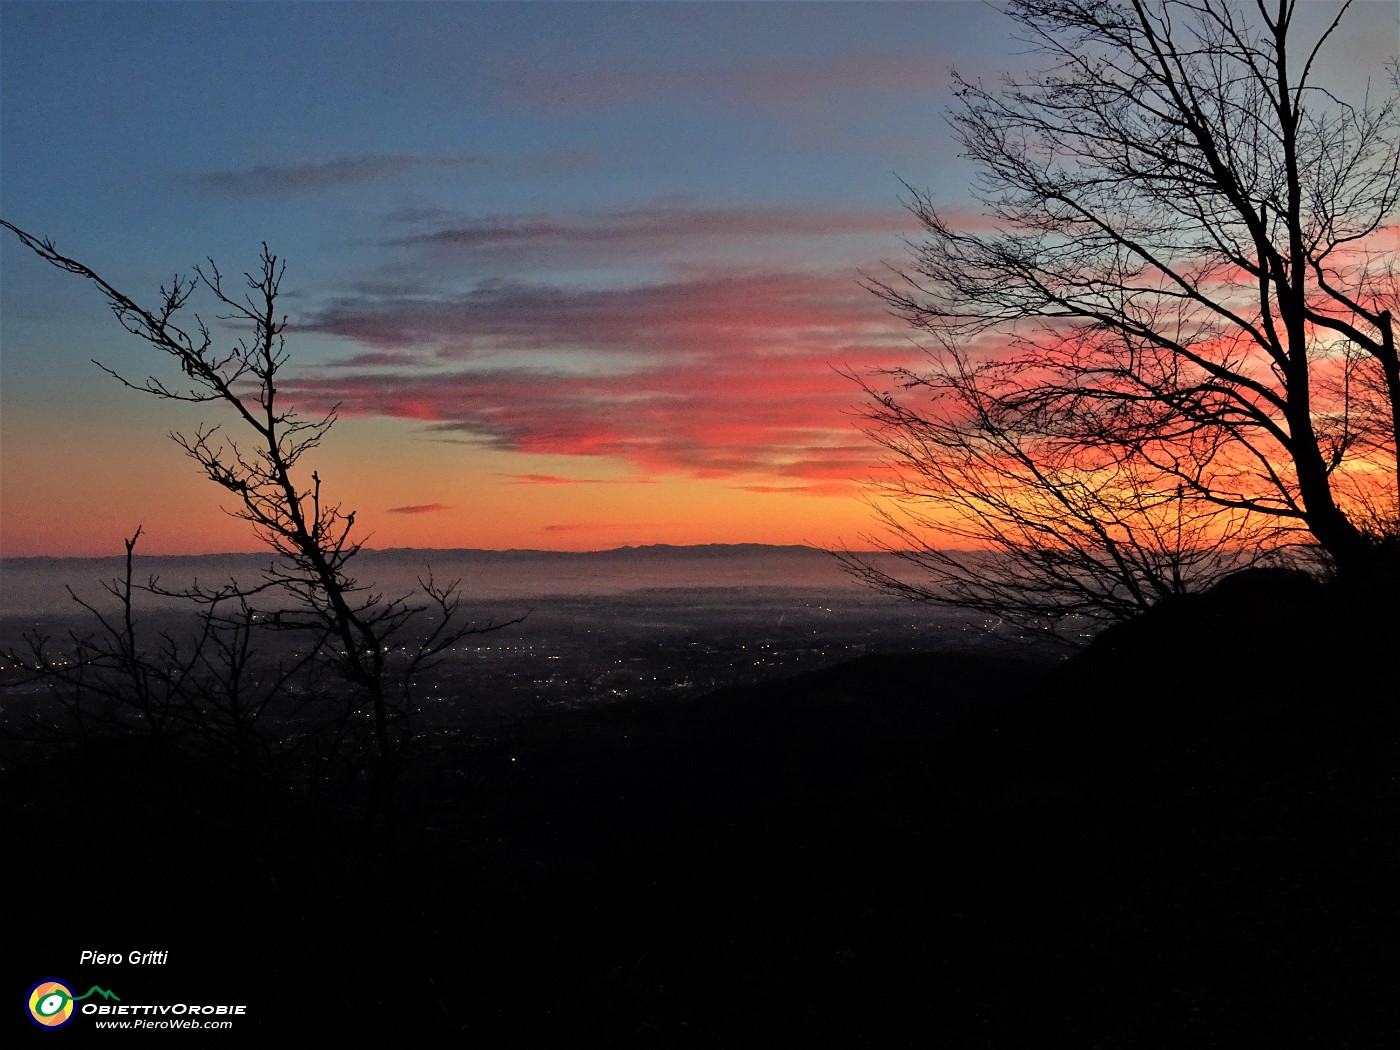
<point>1186,836</point>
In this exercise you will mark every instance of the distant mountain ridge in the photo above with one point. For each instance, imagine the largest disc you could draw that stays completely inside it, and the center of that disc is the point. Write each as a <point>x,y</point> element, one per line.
<point>647,551</point>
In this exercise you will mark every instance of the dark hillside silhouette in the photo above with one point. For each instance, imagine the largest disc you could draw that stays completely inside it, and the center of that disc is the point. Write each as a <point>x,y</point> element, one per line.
<point>971,850</point>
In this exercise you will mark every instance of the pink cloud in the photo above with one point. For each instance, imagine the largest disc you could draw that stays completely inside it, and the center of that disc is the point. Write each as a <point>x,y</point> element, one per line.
<point>827,488</point>
<point>381,359</point>
<point>706,314</point>
<point>555,479</point>
<point>711,377</point>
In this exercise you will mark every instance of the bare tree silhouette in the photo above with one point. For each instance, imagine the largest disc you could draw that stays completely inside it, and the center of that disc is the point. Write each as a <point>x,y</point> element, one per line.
<point>354,629</point>
<point>1175,348</point>
<point>205,689</point>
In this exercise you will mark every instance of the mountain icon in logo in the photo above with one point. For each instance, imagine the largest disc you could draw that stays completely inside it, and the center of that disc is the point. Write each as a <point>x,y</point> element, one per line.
<point>51,1002</point>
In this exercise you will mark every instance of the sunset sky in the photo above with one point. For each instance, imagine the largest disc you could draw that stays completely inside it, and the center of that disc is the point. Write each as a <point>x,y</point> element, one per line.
<point>579,275</point>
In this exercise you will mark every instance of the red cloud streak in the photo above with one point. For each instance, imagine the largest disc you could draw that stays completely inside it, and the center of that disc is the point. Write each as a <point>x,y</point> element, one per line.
<point>712,377</point>
<point>555,479</point>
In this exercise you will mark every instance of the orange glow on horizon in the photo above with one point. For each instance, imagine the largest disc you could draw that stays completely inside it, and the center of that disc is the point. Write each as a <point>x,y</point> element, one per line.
<point>408,492</point>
